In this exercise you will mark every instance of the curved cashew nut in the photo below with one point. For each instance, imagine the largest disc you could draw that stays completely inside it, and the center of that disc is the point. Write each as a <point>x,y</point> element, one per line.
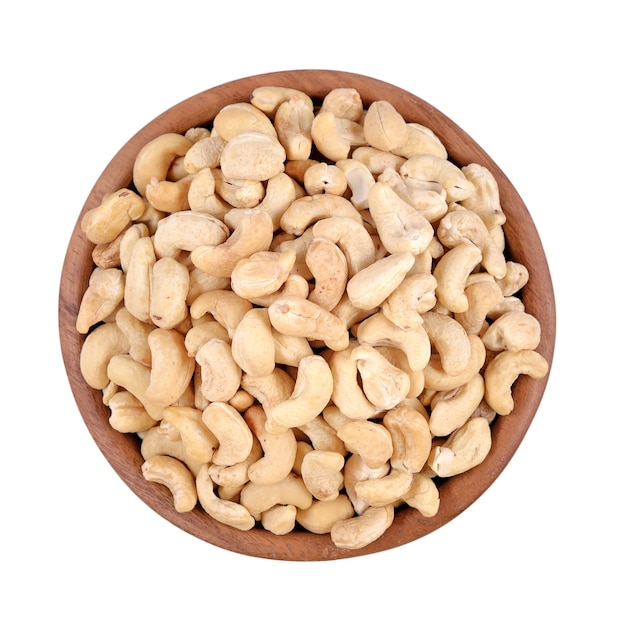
<point>364,529</point>
<point>513,330</point>
<point>128,415</point>
<point>103,295</point>
<point>236,475</point>
<point>231,431</point>
<point>452,271</point>
<point>356,470</point>
<point>485,197</point>
<point>515,278</point>
<point>279,450</point>
<point>410,436</point>
<point>169,286</point>
<point>199,442</point>
<point>413,296</point>
<point>280,192</point>
<point>157,441</point>
<point>451,409</point>
<point>204,154</point>
<point>467,447</point>
<point>198,335</point>
<point>311,393</point>
<point>253,343</point>
<point>321,473</point>
<point>173,474</point>
<point>344,102</point>
<point>224,305</point>
<point>99,346</point>
<point>240,193</point>
<point>240,117</point>
<point>423,495</point>
<point>289,350</point>
<point>229,513</point>
<point>335,136</point>
<point>450,341</point>
<point>253,155</point>
<point>280,519</point>
<point>329,268</point>
<point>371,286</point>
<point>220,374</point>
<point>320,517</point>
<point>359,179</point>
<point>269,98</point>
<point>262,273</point>
<point>502,372</point>
<point>169,196</point>
<point>431,168</point>
<point>137,279</point>
<point>383,126</point>
<point>172,368</point>
<point>483,295</point>
<point>306,210</point>
<point>401,227</point>
<point>258,498</point>
<point>384,384</point>
<point>463,225</point>
<point>370,440</point>
<point>271,389</point>
<point>378,492</point>
<point>187,230</point>
<point>104,223</point>
<point>420,140</point>
<point>292,121</point>
<point>322,435</point>
<point>254,232</point>
<point>377,161</point>
<point>378,330</point>
<point>324,178</point>
<point>155,158</point>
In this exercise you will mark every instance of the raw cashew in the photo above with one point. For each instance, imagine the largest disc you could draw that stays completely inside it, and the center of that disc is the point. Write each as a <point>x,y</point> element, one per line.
<point>279,451</point>
<point>504,369</point>
<point>377,161</point>
<point>292,121</point>
<point>198,335</point>
<point>169,286</point>
<point>344,102</point>
<point>400,227</point>
<point>359,179</point>
<point>156,157</point>
<point>204,154</point>
<point>423,495</point>
<point>514,330</point>
<point>199,442</point>
<point>451,409</point>
<point>485,197</point>
<point>231,431</point>
<point>452,271</point>
<point>238,193</point>
<point>312,391</point>
<point>253,343</point>
<point>364,529</point>
<point>174,475</point>
<point>158,442</point>
<point>280,519</point>
<point>169,196</point>
<point>128,415</point>
<point>271,389</point>
<point>229,513</point>
<point>253,155</point>
<point>450,341</point>
<point>320,517</point>
<point>103,295</point>
<point>288,349</point>
<point>137,279</point>
<point>388,489</point>
<point>172,368</point>
<point>355,471</point>
<point>236,475</point>
<point>220,374</point>
<point>280,192</point>
<point>253,233</point>
<point>224,305</point>
<point>187,230</point>
<point>370,440</point>
<point>241,117</point>
<point>324,178</point>
<point>420,140</point>
<point>321,473</point>
<point>410,436</point>
<point>369,287</point>
<point>115,213</point>
<point>99,346</point>
<point>413,296</point>
<point>515,278</point>
<point>483,295</point>
<point>431,168</point>
<point>467,447</point>
<point>384,128</point>
<point>258,498</point>
<point>329,268</point>
<point>322,435</point>
<point>306,210</point>
<point>335,136</point>
<point>269,98</point>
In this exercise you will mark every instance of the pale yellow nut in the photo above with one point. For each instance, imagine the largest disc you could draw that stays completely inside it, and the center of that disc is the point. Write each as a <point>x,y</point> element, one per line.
<point>423,495</point>
<point>220,374</point>
<point>449,339</point>
<point>269,390</point>
<point>104,293</point>
<point>377,161</point>
<point>199,334</point>
<point>171,473</point>
<point>306,210</point>
<point>320,517</point>
<point>516,277</point>
<point>269,97</point>
<point>334,136</point>
<point>280,519</point>
<point>236,475</point>
<point>252,155</point>
<point>431,168</point>
<point>230,513</point>
<point>384,128</point>
<point>502,372</point>
<point>253,233</point>
<point>413,296</point>
<point>203,198</point>
<point>388,489</point>
<point>155,158</point>
<point>289,349</point>
<point>239,117</point>
<point>513,330</point>
<point>401,228</point>
<point>292,121</point>
<point>233,435</point>
<point>169,196</point>
<point>355,471</point>
<point>452,271</point>
<point>252,343</point>
<point>362,530</point>
<point>325,178</point>
<point>224,305</point>
<point>322,436</point>
<point>238,193</point>
<point>280,192</point>
<point>466,448</point>
<point>485,197</point>
<point>204,154</point>
<point>262,273</point>
<point>157,441</point>
<point>279,451</point>
<point>344,102</point>
<point>169,286</point>
<point>370,440</point>
<point>410,436</point>
<point>112,216</point>
<point>321,473</point>
<point>372,285</point>
<point>128,415</point>
<point>199,442</point>
<point>291,490</point>
<point>172,368</point>
<point>420,140</point>
<point>483,296</point>
<point>359,179</point>
<point>129,237</point>
<point>311,393</point>
<point>329,268</point>
<point>136,333</point>
<point>451,409</point>
<point>186,231</point>
<point>137,281</point>
<point>99,346</point>
<point>416,377</point>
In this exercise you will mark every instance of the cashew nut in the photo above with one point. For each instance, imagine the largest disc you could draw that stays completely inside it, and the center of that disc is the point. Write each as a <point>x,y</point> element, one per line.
<point>174,475</point>
<point>224,305</point>
<point>220,373</point>
<point>306,210</point>
<point>513,330</point>
<point>420,140</point>
<point>413,296</point>
<point>383,127</point>
<point>128,415</point>
<point>253,343</point>
<point>450,341</point>
<point>292,121</point>
<point>199,442</point>
<point>321,473</point>
<point>370,440</point>
<point>388,489</point>
<point>258,498</point>
<point>168,292</point>
<point>432,168</point>
<point>410,436</point>
<point>99,346</point>
<point>253,155</point>
<point>241,117</point>
<point>103,295</point>
<point>320,517</point>
<point>329,268</point>
<point>335,136</point>
<point>364,529</point>
<point>231,431</point>
<point>485,197</point>
<point>423,495</point>
<point>269,98</point>
<point>452,271</point>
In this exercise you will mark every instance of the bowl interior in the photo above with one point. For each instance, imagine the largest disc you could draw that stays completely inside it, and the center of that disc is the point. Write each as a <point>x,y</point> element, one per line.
<point>524,246</point>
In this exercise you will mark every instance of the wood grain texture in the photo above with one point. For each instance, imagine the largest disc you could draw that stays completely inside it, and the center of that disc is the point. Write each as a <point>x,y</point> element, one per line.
<point>122,451</point>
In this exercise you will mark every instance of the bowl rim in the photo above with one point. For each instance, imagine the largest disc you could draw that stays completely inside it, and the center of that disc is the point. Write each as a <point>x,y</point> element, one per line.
<point>457,493</point>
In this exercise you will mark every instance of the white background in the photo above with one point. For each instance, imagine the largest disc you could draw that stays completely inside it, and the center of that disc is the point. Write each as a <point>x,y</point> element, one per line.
<point>540,86</point>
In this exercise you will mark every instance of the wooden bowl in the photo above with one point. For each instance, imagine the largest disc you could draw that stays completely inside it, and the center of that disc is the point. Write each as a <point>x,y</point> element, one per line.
<point>457,493</point>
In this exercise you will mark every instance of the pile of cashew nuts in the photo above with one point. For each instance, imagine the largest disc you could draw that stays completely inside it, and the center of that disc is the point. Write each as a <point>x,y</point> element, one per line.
<point>306,313</point>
